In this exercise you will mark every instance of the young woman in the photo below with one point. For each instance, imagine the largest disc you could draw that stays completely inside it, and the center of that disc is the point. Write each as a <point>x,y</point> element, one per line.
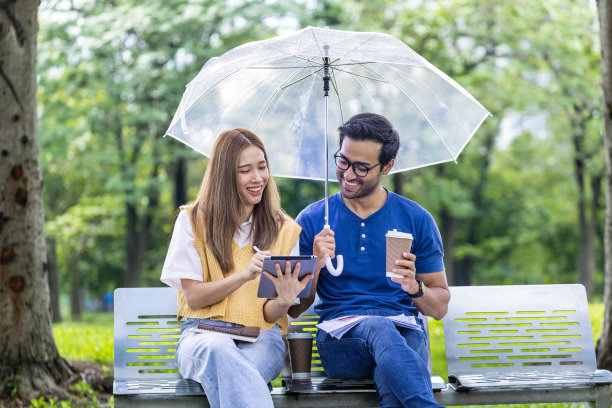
<point>213,262</point>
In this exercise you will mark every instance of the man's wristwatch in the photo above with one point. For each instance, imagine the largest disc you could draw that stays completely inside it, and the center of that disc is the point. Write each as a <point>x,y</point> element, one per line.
<point>420,292</point>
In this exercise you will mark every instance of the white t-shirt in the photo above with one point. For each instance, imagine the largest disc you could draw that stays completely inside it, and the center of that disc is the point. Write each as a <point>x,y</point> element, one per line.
<point>183,261</point>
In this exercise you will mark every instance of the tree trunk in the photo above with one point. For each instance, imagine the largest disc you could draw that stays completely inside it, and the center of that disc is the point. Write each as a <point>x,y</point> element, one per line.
<point>76,293</point>
<point>29,360</point>
<point>448,229</point>
<point>54,278</point>
<point>134,256</point>
<point>398,183</point>
<point>463,270</point>
<point>585,261</point>
<point>604,345</point>
<point>54,281</point>
<point>180,183</point>
<point>586,244</point>
<point>137,227</point>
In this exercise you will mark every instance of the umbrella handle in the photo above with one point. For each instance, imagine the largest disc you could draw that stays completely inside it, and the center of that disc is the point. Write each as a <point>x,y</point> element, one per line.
<point>330,266</point>
<point>328,262</point>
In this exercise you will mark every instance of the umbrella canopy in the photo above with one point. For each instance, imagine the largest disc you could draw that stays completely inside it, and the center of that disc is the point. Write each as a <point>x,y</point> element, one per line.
<point>288,88</point>
<point>275,88</point>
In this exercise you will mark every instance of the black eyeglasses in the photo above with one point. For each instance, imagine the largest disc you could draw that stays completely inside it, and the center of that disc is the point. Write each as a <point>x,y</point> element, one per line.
<point>359,169</point>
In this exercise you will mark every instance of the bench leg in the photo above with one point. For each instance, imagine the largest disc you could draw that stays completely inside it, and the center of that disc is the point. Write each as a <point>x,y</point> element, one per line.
<point>602,397</point>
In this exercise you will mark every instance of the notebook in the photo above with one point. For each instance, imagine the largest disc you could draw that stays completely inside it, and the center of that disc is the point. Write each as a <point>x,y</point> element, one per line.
<point>248,333</point>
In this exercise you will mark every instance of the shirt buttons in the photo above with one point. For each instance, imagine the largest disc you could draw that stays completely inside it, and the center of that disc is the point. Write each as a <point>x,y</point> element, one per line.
<point>362,235</point>
<point>363,224</point>
<point>363,248</point>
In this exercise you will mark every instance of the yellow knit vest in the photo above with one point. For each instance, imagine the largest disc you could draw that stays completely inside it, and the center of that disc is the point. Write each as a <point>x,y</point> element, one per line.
<point>242,306</point>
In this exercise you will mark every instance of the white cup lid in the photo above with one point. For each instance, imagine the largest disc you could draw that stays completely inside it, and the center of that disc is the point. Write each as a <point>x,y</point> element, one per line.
<point>397,234</point>
<point>299,335</point>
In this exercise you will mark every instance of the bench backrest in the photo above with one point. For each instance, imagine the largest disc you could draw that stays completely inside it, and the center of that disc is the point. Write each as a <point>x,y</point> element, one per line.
<point>518,329</point>
<point>146,333</point>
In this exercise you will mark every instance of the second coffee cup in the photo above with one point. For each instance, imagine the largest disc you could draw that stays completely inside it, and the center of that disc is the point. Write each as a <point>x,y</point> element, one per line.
<point>300,354</point>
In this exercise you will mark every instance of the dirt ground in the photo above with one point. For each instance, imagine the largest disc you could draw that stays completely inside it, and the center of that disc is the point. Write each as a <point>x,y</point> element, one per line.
<point>99,379</point>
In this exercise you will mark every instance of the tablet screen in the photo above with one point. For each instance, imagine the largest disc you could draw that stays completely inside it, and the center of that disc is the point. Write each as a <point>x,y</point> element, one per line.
<point>266,286</point>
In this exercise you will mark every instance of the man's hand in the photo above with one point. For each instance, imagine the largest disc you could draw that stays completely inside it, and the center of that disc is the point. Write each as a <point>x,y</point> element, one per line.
<point>405,267</point>
<point>324,245</point>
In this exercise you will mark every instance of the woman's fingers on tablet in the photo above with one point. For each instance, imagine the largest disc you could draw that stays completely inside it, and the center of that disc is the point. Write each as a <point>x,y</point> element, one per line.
<point>279,272</point>
<point>288,267</point>
<point>296,269</point>
<point>305,280</point>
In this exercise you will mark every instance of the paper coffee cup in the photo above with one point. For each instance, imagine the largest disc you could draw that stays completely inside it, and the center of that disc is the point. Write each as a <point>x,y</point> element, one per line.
<point>300,354</point>
<point>397,244</point>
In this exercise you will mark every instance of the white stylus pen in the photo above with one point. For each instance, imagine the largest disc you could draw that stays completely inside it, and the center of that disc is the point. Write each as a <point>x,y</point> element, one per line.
<point>256,249</point>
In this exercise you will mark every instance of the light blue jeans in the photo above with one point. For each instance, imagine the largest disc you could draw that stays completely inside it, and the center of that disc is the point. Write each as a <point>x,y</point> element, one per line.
<point>233,373</point>
<point>395,357</point>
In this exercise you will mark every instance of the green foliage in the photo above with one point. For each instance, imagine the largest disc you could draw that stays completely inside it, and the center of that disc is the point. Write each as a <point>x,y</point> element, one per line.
<point>88,340</point>
<point>596,312</point>
<point>85,394</point>
<point>42,402</point>
<point>12,383</point>
<point>85,398</point>
<point>297,194</point>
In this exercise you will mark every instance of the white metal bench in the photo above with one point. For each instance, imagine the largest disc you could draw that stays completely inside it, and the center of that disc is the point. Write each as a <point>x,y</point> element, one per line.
<point>523,344</point>
<point>146,332</point>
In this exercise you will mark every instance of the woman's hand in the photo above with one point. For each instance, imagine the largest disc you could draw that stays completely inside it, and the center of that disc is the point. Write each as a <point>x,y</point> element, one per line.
<point>287,284</point>
<point>255,266</point>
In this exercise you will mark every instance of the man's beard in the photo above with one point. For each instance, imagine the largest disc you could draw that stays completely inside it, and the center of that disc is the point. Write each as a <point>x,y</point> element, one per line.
<point>363,188</point>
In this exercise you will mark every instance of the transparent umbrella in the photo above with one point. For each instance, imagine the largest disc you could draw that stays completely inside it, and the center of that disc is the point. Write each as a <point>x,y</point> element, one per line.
<point>288,89</point>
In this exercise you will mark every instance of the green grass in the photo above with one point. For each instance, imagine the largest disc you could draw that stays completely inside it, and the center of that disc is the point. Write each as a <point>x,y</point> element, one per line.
<point>92,340</point>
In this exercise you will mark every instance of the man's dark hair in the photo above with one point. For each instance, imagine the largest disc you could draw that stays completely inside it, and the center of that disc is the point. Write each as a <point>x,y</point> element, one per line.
<point>370,126</point>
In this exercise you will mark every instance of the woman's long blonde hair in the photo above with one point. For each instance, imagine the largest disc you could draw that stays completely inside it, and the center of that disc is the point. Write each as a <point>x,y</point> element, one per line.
<point>220,205</point>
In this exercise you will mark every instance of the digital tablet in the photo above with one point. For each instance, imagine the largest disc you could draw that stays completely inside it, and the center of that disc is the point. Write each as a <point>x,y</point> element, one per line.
<point>266,287</point>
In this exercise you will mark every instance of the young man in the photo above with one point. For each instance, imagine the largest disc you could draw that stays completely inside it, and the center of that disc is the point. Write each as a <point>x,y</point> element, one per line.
<point>361,214</point>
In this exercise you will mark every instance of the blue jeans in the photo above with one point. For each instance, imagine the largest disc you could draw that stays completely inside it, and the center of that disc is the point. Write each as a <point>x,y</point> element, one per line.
<point>233,373</point>
<point>395,357</point>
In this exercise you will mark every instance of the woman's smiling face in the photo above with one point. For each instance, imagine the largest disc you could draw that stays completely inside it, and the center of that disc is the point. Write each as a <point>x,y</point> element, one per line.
<point>252,176</point>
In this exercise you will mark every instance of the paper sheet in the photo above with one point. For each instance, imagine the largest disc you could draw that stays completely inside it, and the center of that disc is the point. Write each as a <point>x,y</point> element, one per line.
<point>339,326</point>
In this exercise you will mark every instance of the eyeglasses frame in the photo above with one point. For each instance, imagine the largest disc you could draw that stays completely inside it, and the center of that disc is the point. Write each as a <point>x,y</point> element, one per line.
<point>352,164</point>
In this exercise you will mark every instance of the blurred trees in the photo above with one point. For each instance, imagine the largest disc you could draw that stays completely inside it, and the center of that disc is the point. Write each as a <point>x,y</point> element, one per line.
<point>523,204</point>
<point>111,76</point>
<point>604,344</point>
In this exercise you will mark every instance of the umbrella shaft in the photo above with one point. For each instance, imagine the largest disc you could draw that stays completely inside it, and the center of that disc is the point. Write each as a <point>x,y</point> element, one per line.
<point>326,168</point>
<point>326,79</point>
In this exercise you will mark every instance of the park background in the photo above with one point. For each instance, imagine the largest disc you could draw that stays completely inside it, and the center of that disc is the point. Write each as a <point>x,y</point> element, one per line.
<point>523,205</point>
